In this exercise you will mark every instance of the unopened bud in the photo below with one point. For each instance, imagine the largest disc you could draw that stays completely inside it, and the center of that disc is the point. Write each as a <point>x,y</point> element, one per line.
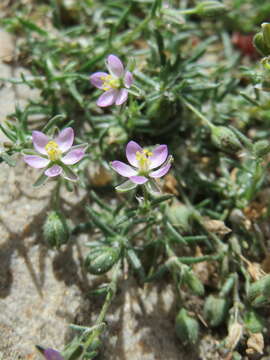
<point>116,135</point>
<point>215,310</point>
<point>261,148</point>
<point>259,43</point>
<point>179,214</point>
<point>193,283</point>
<point>259,292</point>
<point>101,259</point>
<point>210,8</point>
<point>186,327</point>
<point>225,139</point>
<point>253,322</point>
<point>55,229</point>
<point>49,353</point>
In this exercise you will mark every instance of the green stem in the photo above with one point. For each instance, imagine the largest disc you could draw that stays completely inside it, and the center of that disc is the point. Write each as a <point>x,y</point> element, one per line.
<point>173,12</point>
<point>176,265</point>
<point>145,196</point>
<point>109,297</point>
<point>130,36</point>
<point>56,196</point>
<point>216,241</point>
<point>236,299</point>
<point>198,113</point>
<point>259,172</point>
<point>195,260</point>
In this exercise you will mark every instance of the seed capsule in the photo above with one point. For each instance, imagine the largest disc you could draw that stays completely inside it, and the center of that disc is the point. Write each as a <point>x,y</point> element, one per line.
<point>261,148</point>
<point>186,327</point>
<point>55,229</point>
<point>179,215</point>
<point>253,322</point>
<point>225,139</point>
<point>259,292</point>
<point>215,310</point>
<point>101,259</point>
<point>194,283</point>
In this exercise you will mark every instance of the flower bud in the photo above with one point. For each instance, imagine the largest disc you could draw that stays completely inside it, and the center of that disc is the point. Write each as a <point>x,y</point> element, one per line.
<point>225,139</point>
<point>186,327</point>
<point>261,148</point>
<point>259,292</point>
<point>116,135</point>
<point>193,283</point>
<point>55,229</point>
<point>210,8</point>
<point>179,215</point>
<point>259,43</point>
<point>266,33</point>
<point>253,322</point>
<point>215,310</point>
<point>101,259</point>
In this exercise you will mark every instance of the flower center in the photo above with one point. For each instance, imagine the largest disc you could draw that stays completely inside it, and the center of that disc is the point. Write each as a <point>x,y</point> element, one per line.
<point>53,151</point>
<point>143,160</point>
<point>110,82</point>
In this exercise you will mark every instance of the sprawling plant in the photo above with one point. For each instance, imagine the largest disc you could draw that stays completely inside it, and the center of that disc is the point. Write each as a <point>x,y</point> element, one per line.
<point>193,192</point>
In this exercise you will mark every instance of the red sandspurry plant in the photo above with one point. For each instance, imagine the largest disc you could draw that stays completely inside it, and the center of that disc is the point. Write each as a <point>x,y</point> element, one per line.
<point>115,84</point>
<point>56,155</point>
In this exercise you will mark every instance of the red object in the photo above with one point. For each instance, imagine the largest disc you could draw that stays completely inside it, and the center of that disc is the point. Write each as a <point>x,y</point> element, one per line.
<point>245,44</point>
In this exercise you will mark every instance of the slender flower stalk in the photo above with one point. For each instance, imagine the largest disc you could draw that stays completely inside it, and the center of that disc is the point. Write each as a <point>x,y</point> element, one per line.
<point>144,165</point>
<point>56,155</point>
<point>115,84</point>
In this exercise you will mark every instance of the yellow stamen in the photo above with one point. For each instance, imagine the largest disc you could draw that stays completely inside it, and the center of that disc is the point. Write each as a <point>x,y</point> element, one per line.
<point>143,159</point>
<point>110,82</point>
<point>53,151</point>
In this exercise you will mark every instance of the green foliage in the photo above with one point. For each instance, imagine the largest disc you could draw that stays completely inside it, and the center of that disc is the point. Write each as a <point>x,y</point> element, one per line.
<point>200,89</point>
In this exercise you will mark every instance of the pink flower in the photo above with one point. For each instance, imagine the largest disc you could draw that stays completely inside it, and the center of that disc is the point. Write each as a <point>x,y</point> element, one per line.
<point>143,162</point>
<point>115,84</point>
<point>56,155</point>
<point>51,354</point>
